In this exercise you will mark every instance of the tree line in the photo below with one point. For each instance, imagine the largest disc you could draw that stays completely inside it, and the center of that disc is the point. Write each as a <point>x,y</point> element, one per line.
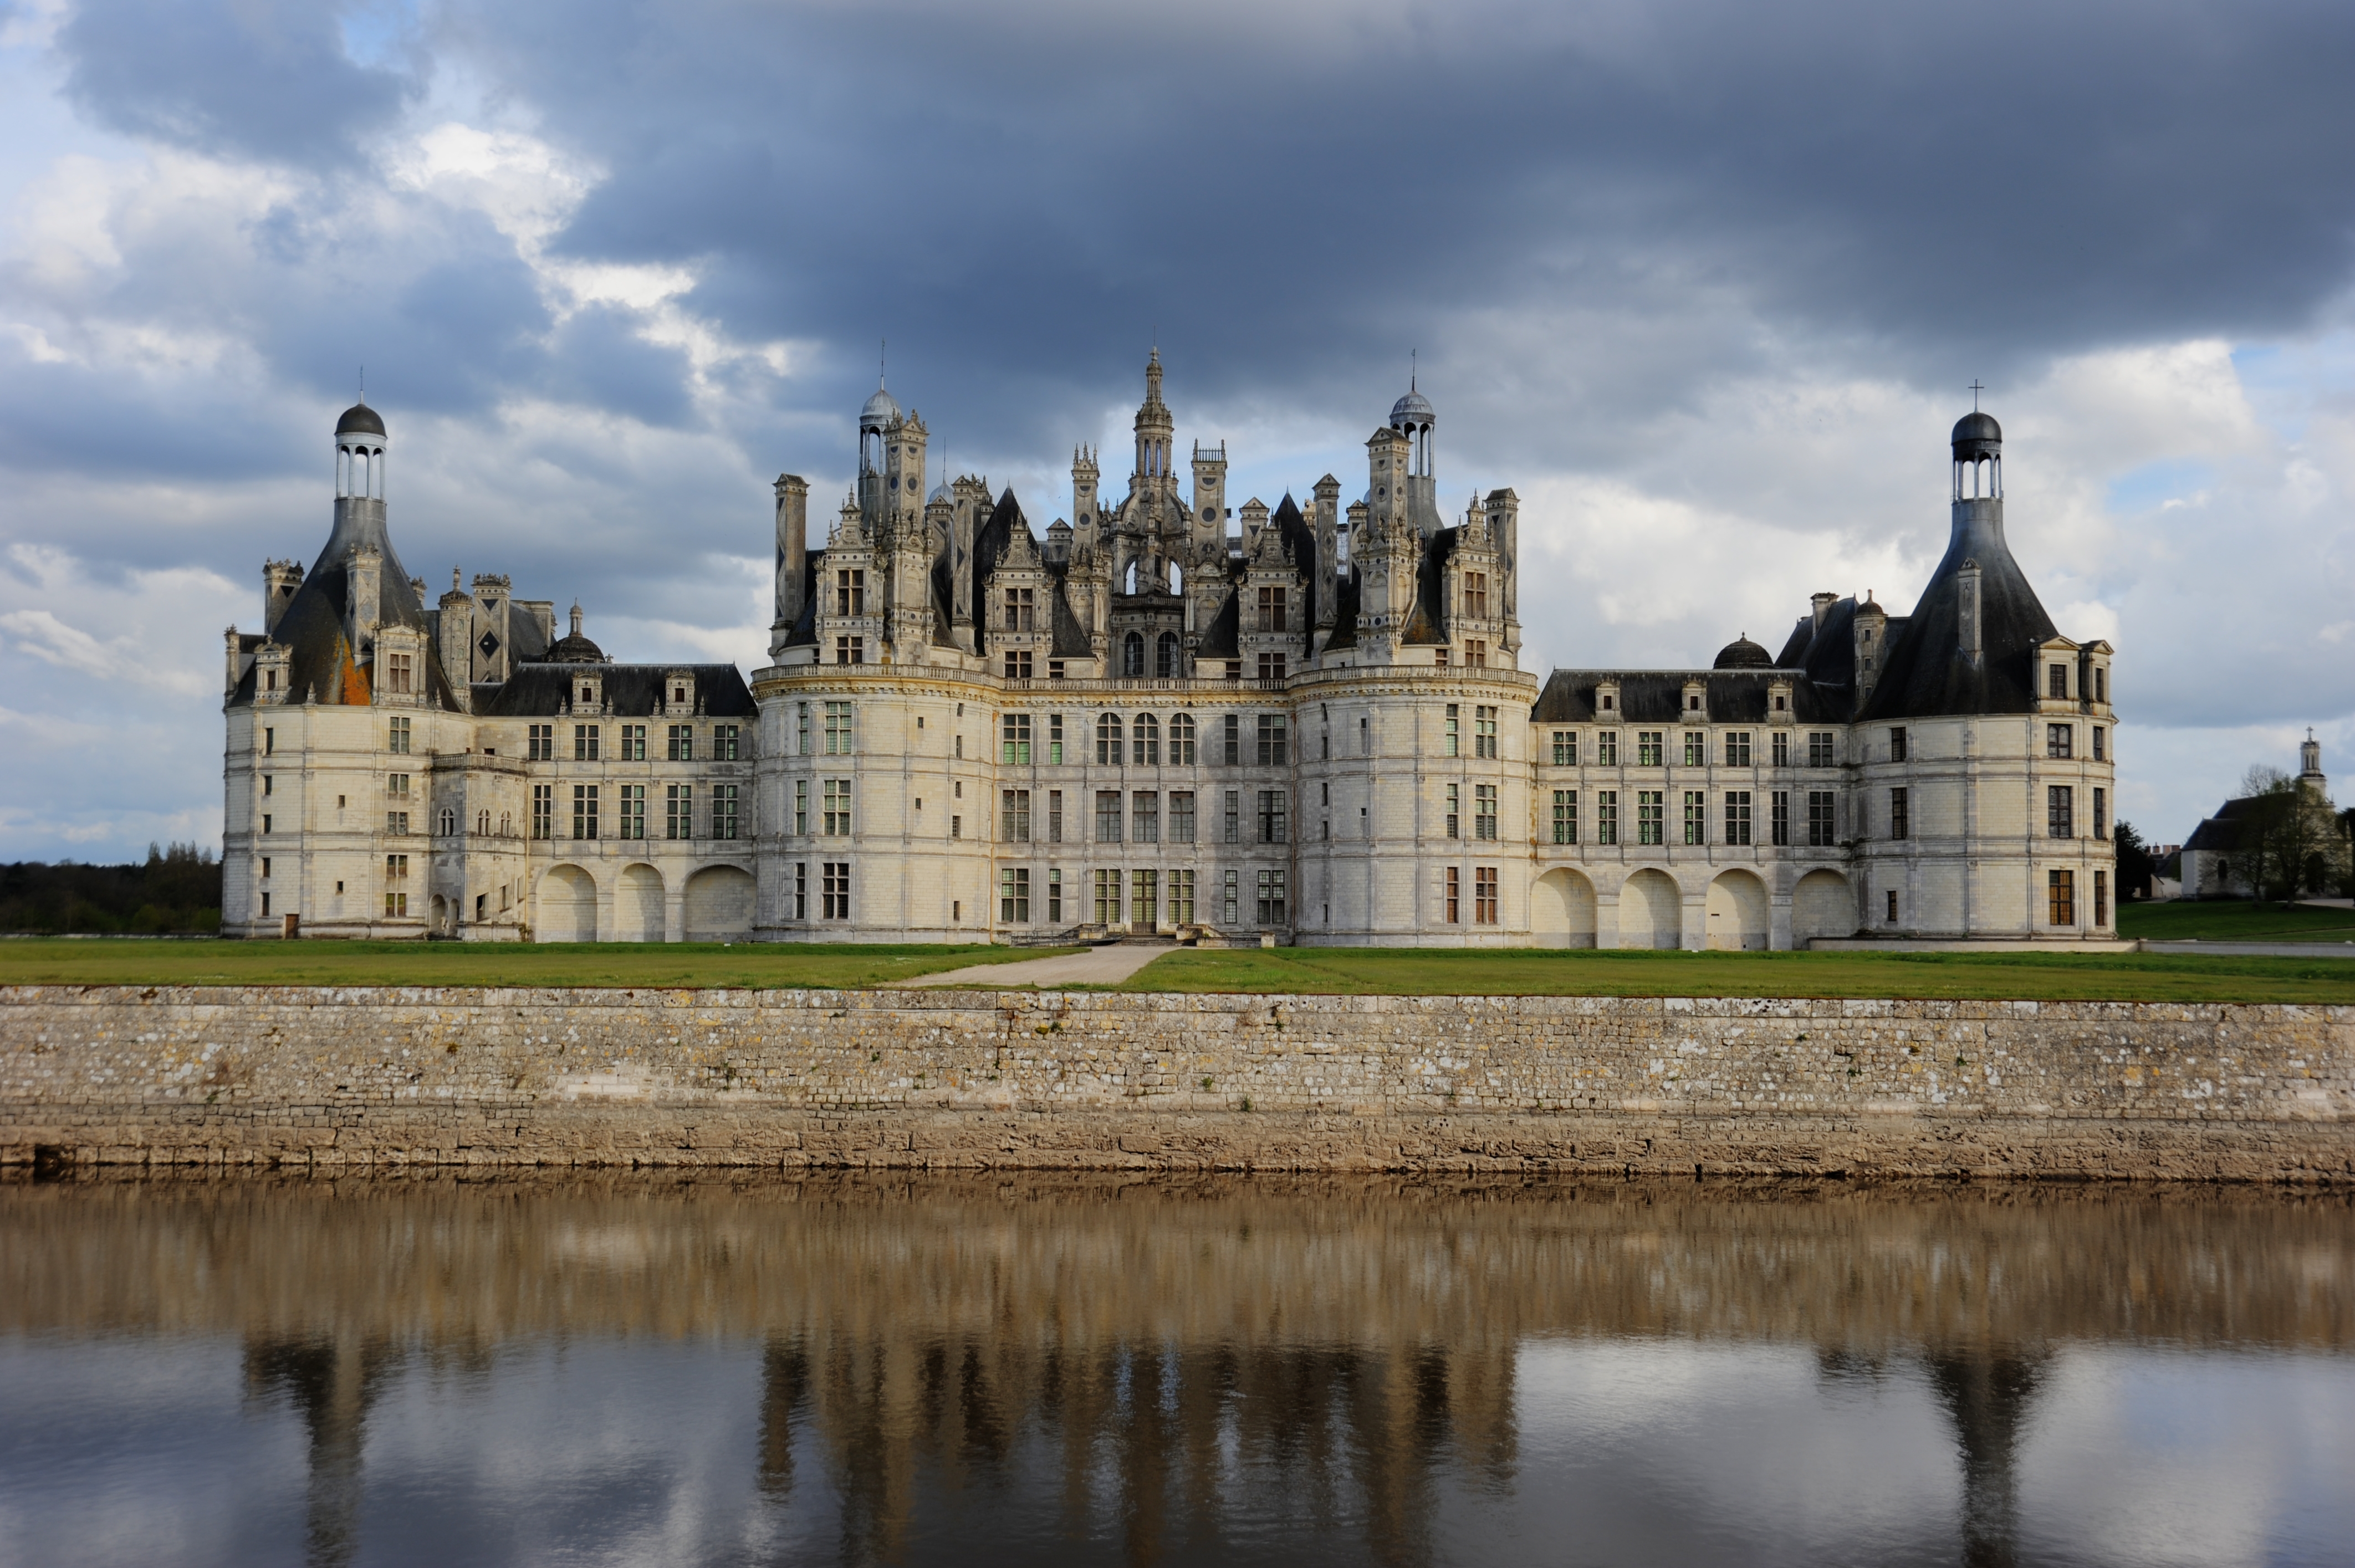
<point>175,890</point>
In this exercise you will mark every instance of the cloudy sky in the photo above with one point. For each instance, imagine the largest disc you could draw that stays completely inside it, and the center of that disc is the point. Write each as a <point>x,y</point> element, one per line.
<point>1704,281</point>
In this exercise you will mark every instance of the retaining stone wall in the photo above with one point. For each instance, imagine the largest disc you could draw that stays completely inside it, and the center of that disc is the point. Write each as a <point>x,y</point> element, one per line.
<point>359,1077</point>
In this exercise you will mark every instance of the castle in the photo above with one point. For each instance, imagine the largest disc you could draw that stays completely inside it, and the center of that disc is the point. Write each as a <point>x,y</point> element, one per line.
<point>1169,715</point>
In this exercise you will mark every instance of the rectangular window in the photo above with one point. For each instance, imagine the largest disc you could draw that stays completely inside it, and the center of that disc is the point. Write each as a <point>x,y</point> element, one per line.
<point>1107,898</point>
<point>394,822</point>
<point>1737,816</point>
<point>2059,811</point>
<point>1650,753</point>
<point>1273,746</point>
<point>1565,748</point>
<point>1606,748</point>
<point>1271,898</point>
<point>801,807</point>
<point>801,888</point>
<point>1696,817</point>
<point>1144,900</point>
<point>395,866</point>
<point>1821,829</point>
<point>1484,811</point>
<point>1821,753</point>
<point>2101,752</point>
<point>1234,743</point>
<point>1780,808</point>
<point>1107,816</point>
<point>1181,817</point>
<point>398,740</point>
<point>725,740</point>
<point>1022,609</point>
<point>269,743</point>
<point>2101,684</point>
<point>801,730</point>
<point>1476,595</point>
<point>2101,895</point>
<point>1565,816</point>
<point>395,904</point>
<point>850,592</point>
<point>834,891</point>
<point>836,819</point>
<point>397,784</point>
<point>584,811</point>
<point>837,729</point>
<point>543,811</point>
<point>1606,816</point>
<point>1899,818</point>
<point>2058,740</point>
<point>1696,748</point>
<point>1897,744</point>
<point>1014,895</point>
<point>1014,738</point>
<point>1144,741</point>
<point>2060,895</point>
<point>1892,906</point>
<point>2056,682</point>
<point>1484,736</point>
<point>1181,898</point>
<point>541,745</point>
<point>1108,752</point>
<point>1452,895</point>
<point>2101,811</point>
<point>1737,748</point>
<point>632,747</point>
<point>1054,895</point>
<point>1234,817</point>
<point>1365,736</point>
<point>1014,816</point>
<point>1054,817</point>
<point>1484,895</point>
<point>1145,816</point>
<point>723,811</point>
<point>1273,817</point>
<point>398,672</point>
<point>1232,902</point>
<point>1651,812</point>
<point>1270,610</point>
<point>1055,740</point>
<point>1782,751</point>
<point>1451,740</point>
<point>679,810</point>
<point>584,742</point>
<point>1454,811</point>
<point>633,811</point>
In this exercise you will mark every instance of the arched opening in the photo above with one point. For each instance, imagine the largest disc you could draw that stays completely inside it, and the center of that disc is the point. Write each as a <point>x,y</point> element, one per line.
<point>720,904</point>
<point>1165,655</point>
<point>1651,910</point>
<point>567,906</point>
<point>1821,905</point>
<point>638,905</point>
<point>1128,578</point>
<point>1736,909</point>
<point>1562,909</point>
<point>1176,578</point>
<point>1132,651</point>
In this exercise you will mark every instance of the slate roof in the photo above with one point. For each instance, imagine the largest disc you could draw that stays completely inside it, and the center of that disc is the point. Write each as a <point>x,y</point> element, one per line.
<point>631,690</point>
<point>1924,671</point>
<point>324,666</point>
<point>2222,832</point>
<point>1657,697</point>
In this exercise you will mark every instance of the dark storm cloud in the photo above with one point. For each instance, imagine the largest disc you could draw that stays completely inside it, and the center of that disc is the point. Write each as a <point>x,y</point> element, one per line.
<point>259,79</point>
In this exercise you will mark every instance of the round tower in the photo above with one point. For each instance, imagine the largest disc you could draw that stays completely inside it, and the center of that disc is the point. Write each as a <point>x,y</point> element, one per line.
<point>359,454</point>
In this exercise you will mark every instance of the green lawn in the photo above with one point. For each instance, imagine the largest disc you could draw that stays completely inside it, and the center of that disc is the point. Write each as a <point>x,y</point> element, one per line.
<point>2041,977</point>
<point>624,963</point>
<point>2230,921</point>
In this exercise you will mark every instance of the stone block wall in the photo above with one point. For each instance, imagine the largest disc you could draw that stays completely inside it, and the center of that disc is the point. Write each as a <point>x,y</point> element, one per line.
<point>361,1077</point>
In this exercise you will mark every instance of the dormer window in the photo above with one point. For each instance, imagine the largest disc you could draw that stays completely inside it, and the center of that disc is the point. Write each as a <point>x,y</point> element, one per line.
<point>1608,702</point>
<point>678,694</point>
<point>1782,703</point>
<point>1692,702</point>
<point>2057,682</point>
<point>588,694</point>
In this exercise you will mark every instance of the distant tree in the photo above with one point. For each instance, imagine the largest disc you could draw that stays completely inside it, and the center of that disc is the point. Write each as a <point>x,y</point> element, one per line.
<point>2291,840</point>
<point>2135,868</point>
<point>177,889</point>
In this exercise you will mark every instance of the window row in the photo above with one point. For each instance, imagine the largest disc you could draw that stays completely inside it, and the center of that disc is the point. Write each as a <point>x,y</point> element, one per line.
<point>1144,739</point>
<point>589,740</point>
<point>2059,811</point>
<point>1738,823</point>
<point>722,816</point>
<point>1601,748</point>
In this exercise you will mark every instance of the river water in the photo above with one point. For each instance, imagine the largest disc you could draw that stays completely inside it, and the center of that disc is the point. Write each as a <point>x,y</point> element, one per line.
<point>643,1370</point>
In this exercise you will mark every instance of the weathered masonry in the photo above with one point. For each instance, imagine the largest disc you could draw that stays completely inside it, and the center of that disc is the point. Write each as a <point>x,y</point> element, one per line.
<point>361,1078</point>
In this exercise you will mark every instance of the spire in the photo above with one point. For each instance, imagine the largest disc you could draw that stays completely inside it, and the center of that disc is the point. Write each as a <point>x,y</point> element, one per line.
<point>576,617</point>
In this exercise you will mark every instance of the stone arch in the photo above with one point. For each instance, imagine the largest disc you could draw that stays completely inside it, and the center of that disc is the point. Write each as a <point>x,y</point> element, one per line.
<point>720,904</point>
<point>1166,660</point>
<point>1562,909</point>
<point>1821,905</point>
<point>1651,910</point>
<point>1737,911</point>
<point>567,906</point>
<point>1132,654</point>
<point>638,904</point>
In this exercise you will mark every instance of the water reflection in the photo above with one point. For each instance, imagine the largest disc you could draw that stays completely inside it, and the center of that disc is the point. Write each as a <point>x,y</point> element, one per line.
<point>879,1370</point>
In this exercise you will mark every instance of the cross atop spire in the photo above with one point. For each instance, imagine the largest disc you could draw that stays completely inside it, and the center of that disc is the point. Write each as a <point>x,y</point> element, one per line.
<point>1975,390</point>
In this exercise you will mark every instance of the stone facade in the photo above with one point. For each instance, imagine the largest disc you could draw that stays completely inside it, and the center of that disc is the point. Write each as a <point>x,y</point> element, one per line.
<point>951,1079</point>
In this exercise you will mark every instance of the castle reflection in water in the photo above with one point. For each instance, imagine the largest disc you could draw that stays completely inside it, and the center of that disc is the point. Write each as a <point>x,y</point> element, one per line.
<point>1162,1372</point>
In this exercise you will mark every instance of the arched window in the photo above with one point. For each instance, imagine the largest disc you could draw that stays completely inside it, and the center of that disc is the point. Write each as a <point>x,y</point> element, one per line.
<point>1181,739</point>
<point>1176,578</point>
<point>1132,652</point>
<point>1146,736</point>
<point>1129,582</point>
<point>1165,655</point>
<point>1108,740</point>
<point>449,821</point>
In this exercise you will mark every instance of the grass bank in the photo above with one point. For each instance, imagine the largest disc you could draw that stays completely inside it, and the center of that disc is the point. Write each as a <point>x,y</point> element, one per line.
<point>2235,920</point>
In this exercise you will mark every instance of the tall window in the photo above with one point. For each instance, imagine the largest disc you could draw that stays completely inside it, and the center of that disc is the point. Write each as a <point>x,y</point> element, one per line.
<point>1145,816</point>
<point>1648,749</point>
<point>584,811</point>
<point>1650,811</point>
<point>2101,751</point>
<point>678,809</point>
<point>1454,811</point>
<point>1565,816</point>
<point>1271,898</point>
<point>1181,739</point>
<point>1696,748</point>
<point>1273,817</point>
<point>1108,739</point>
<point>1107,898</point>
<point>1484,732</point>
<point>1606,748</point>
<point>1014,816</point>
<point>1900,823</point>
<point>681,743</point>
<point>1737,816</point>
<point>1781,754</point>
<point>1821,751</point>
<point>1054,817</point>
<point>1897,746</point>
<point>398,739</point>
<point>1273,747</point>
<point>1181,898</point>
<point>1484,895</point>
<point>1476,595</point>
<point>801,728</point>
<point>2059,811</point>
<point>800,889</point>
<point>2056,682</point>
<point>850,592</point>
<point>2058,739</point>
<point>2101,692</point>
<point>1270,610</point>
<point>1014,739</point>
<point>1144,900</point>
<point>1476,654</point>
<point>1234,741</point>
<point>2101,896</point>
<point>1821,832</point>
<point>1013,894</point>
<point>1781,808</point>
<point>725,740</point>
<point>1021,609</point>
<point>633,743</point>
<point>1737,748</point>
<point>633,811</point>
<point>723,810</point>
<point>1565,748</point>
<point>1181,817</point>
<point>801,807</point>
<point>1451,741</point>
<point>584,742</point>
<point>836,821</point>
<point>1606,816</point>
<point>837,729</point>
<point>2101,811</point>
<point>1165,655</point>
<point>835,891</point>
<point>1145,740</point>
<point>1231,900</point>
<point>539,746</point>
<point>398,676</point>
<point>1451,893</point>
<point>1107,816</point>
<point>1696,817</point>
<point>1234,817</point>
<point>543,811</point>
<point>1132,654</point>
<point>2060,895</point>
<point>1484,811</point>
<point>1054,895</point>
<point>1055,740</point>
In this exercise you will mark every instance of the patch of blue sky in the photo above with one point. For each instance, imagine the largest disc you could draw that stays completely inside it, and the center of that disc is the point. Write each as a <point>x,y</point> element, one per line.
<point>2285,381</point>
<point>377,31</point>
<point>2154,484</point>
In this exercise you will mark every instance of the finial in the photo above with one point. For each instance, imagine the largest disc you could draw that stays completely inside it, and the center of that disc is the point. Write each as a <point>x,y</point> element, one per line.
<point>1975,390</point>
<point>576,617</point>
<point>363,386</point>
<point>1414,366</point>
<point>453,580</point>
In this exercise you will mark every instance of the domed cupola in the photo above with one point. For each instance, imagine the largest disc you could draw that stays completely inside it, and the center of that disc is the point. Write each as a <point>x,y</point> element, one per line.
<point>1744,654</point>
<point>360,420</point>
<point>881,412</point>
<point>576,648</point>
<point>1414,417</point>
<point>1978,457</point>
